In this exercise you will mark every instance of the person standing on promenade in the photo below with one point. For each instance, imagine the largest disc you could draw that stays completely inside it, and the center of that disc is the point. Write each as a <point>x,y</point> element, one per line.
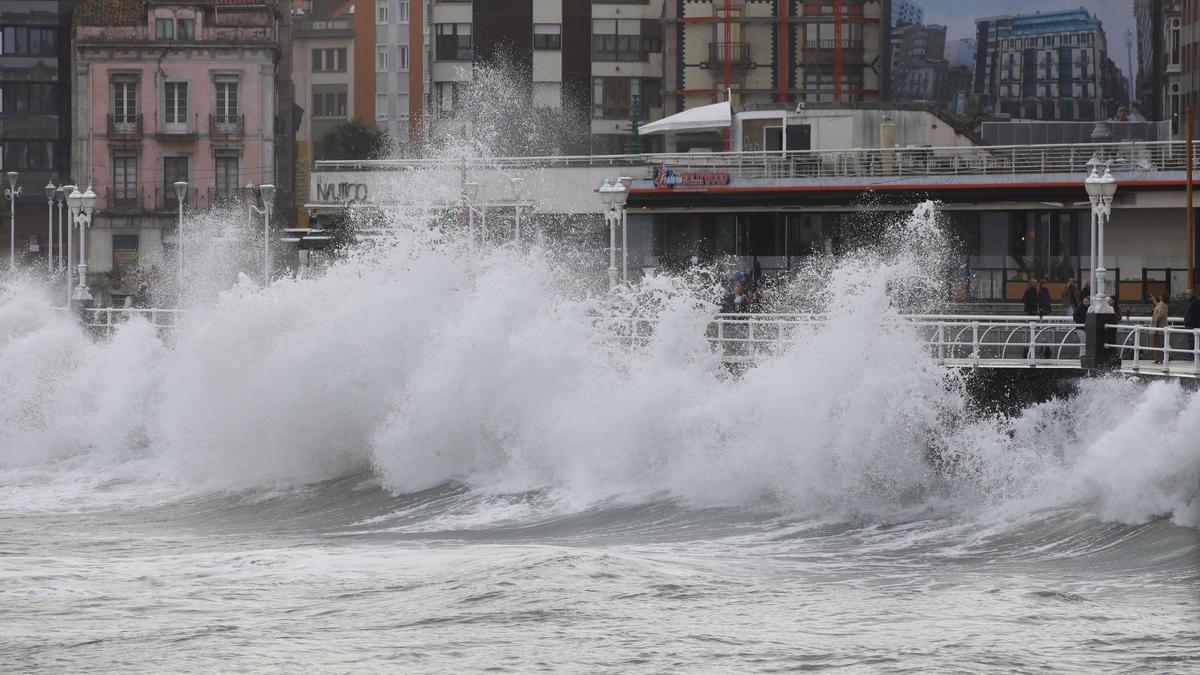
<point>1159,320</point>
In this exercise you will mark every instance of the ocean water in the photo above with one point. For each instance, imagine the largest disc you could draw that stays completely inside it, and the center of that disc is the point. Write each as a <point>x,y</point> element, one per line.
<point>432,458</point>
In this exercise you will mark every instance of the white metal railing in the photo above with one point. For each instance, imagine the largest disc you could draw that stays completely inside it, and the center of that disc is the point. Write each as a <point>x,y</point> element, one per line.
<point>103,320</point>
<point>1069,158</point>
<point>967,341</point>
<point>1168,351</point>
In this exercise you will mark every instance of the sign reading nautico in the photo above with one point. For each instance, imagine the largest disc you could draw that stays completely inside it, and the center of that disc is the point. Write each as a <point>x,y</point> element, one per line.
<point>340,191</point>
<point>665,178</point>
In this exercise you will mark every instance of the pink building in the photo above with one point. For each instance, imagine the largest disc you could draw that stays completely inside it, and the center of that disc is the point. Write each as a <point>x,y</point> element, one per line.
<point>166,92</point>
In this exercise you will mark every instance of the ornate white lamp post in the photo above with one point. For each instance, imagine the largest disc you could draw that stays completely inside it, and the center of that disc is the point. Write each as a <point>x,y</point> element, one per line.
<point>181,188</point>
<point>1100,190</point>
<point>613,196</point>
<point>267,192</point>
<point>81,206</point>
<point>67,191</point>
<point>50,227</point>
<point>625,182</point>
<point>12,192</point>
<point>60,195</point>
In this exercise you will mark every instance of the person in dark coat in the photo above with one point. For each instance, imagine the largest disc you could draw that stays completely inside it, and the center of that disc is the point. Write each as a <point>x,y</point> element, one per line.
<point>1030,299</point>
<point>1081,311</point>
<point>1044,306</point>
<point>1191,315</point>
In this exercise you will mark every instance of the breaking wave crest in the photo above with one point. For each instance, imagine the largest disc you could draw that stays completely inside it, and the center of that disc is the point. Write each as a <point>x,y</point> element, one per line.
<point>424,364</point>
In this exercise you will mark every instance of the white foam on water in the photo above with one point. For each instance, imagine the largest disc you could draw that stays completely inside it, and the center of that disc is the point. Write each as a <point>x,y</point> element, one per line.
<point>428,362</point>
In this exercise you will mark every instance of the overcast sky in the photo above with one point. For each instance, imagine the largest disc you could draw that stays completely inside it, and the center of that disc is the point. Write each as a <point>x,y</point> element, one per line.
<point>959,18</point>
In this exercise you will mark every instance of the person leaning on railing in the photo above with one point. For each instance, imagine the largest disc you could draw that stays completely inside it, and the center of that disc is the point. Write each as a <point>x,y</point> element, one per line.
<point>1159,320</point>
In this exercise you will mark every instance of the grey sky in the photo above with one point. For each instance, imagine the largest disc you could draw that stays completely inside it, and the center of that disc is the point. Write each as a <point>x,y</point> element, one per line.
<point>959,18</point>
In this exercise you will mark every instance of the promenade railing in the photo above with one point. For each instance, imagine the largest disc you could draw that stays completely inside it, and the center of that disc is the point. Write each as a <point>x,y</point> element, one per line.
<point>1168,350</point>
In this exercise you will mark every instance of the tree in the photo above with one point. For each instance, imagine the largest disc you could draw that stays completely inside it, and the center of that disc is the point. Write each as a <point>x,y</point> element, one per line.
<point>354,139</point>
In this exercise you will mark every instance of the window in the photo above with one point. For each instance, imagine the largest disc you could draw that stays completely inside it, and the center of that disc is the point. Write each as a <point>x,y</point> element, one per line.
<point>547,36</point>
<point>125,251</point>
<point>29,97</point>
<point>173,171</point>
<point>381,12</point>
<point>619,40</point>
<point>164,29</point>
<point>381,106</point>
<point>186,29</point>
<point>125,180</point>
<point>27,155</point>
<point>402,57</point>
<point>176,118</point>
<point>329,104</point>
<point>227,101</point>
<point>26,41</point>
<point>453,42</point>
<point>329,60</point>
<point>381,59</point>
<point>402,106</point>
<point>225,174</point>
<point>402,11</point>
<point>124,101</point>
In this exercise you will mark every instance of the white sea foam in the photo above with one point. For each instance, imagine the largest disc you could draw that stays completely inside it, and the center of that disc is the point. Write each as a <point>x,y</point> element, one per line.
<point>428,363</point>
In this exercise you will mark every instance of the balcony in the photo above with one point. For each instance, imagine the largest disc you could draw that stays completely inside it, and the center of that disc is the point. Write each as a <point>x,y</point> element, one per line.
<point>123,199</point>
<point>738,54</point>
<point>124,127</point>
<point>145,34</point>
<point>179,131</point>
<point>166,200</point>
<point>226,127</point>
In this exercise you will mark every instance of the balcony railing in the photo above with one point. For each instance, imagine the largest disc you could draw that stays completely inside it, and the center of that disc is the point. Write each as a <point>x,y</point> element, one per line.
<point>123,199</point>
<point>124,127</point>
<point>738,54</point>
<point>239,34</point>
<point>166,199</point>
<point>996,160</point>
<point>179,131</point>
<point>831,43</point>
<point>226,126</point>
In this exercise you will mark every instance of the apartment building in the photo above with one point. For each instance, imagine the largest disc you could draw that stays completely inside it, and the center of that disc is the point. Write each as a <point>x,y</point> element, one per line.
<point>907,12</point>
<point>1159,59</point>
<point>920,69</point>
<point>1047,66</point>
<point>767,53</point>
<point>400,73</point>
<point>173,91</point>
<point>35,119</point>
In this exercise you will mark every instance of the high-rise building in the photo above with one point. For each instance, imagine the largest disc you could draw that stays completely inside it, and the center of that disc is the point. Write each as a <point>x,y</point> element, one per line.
<point>399,38</point>
<point>1159,24</point>
<point>920,71</point>
<point>768,53</point>
<point>35,112</point>
<point>1049,66</point>
<point>906,11</point>
<point>167,92</point>
<point>1189,74</point>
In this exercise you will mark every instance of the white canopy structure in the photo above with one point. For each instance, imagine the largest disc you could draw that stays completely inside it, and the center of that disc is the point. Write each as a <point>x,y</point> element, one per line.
<point>704,118</point>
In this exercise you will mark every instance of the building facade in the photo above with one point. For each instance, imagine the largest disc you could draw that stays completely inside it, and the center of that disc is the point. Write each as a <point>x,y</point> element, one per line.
<point>775,53</point>
<point>920,70</point>
<point>168,92</point>
<point>906,11</point>
<point>35,114</point>
<point>1159,59</point>
<point>1048,66</point>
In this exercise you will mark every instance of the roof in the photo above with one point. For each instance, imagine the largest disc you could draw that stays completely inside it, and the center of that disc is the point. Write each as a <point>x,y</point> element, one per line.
<point>110,13</point>
<point>1054,22</point>
<point>702,118</point>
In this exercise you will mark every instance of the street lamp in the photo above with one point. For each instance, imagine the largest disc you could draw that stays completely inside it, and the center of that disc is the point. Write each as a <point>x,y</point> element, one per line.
<point>612,196</point>
<point>67,191</point>
<point>625,182</point>
<point>1100,191</point>
<point>81,206</point>
<point>12,192</point>
<point>516,186</point>
<point>181,188</point>
<point>50,227</point>
<point>267,192</point>
<point>60,195</point>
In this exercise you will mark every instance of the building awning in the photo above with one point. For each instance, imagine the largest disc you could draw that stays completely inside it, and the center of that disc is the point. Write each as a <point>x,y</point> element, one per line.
<point>705,118</point>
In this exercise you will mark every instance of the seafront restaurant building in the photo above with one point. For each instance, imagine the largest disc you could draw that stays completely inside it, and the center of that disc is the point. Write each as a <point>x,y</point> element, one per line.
<point>1015,212</point>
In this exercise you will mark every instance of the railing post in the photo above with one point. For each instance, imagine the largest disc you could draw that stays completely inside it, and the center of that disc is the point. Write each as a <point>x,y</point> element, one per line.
<point>975,344</point>
<point>941,338</point>
<point>1137,348</point>
<point>1031,356</point>
<point>1196,350</point>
